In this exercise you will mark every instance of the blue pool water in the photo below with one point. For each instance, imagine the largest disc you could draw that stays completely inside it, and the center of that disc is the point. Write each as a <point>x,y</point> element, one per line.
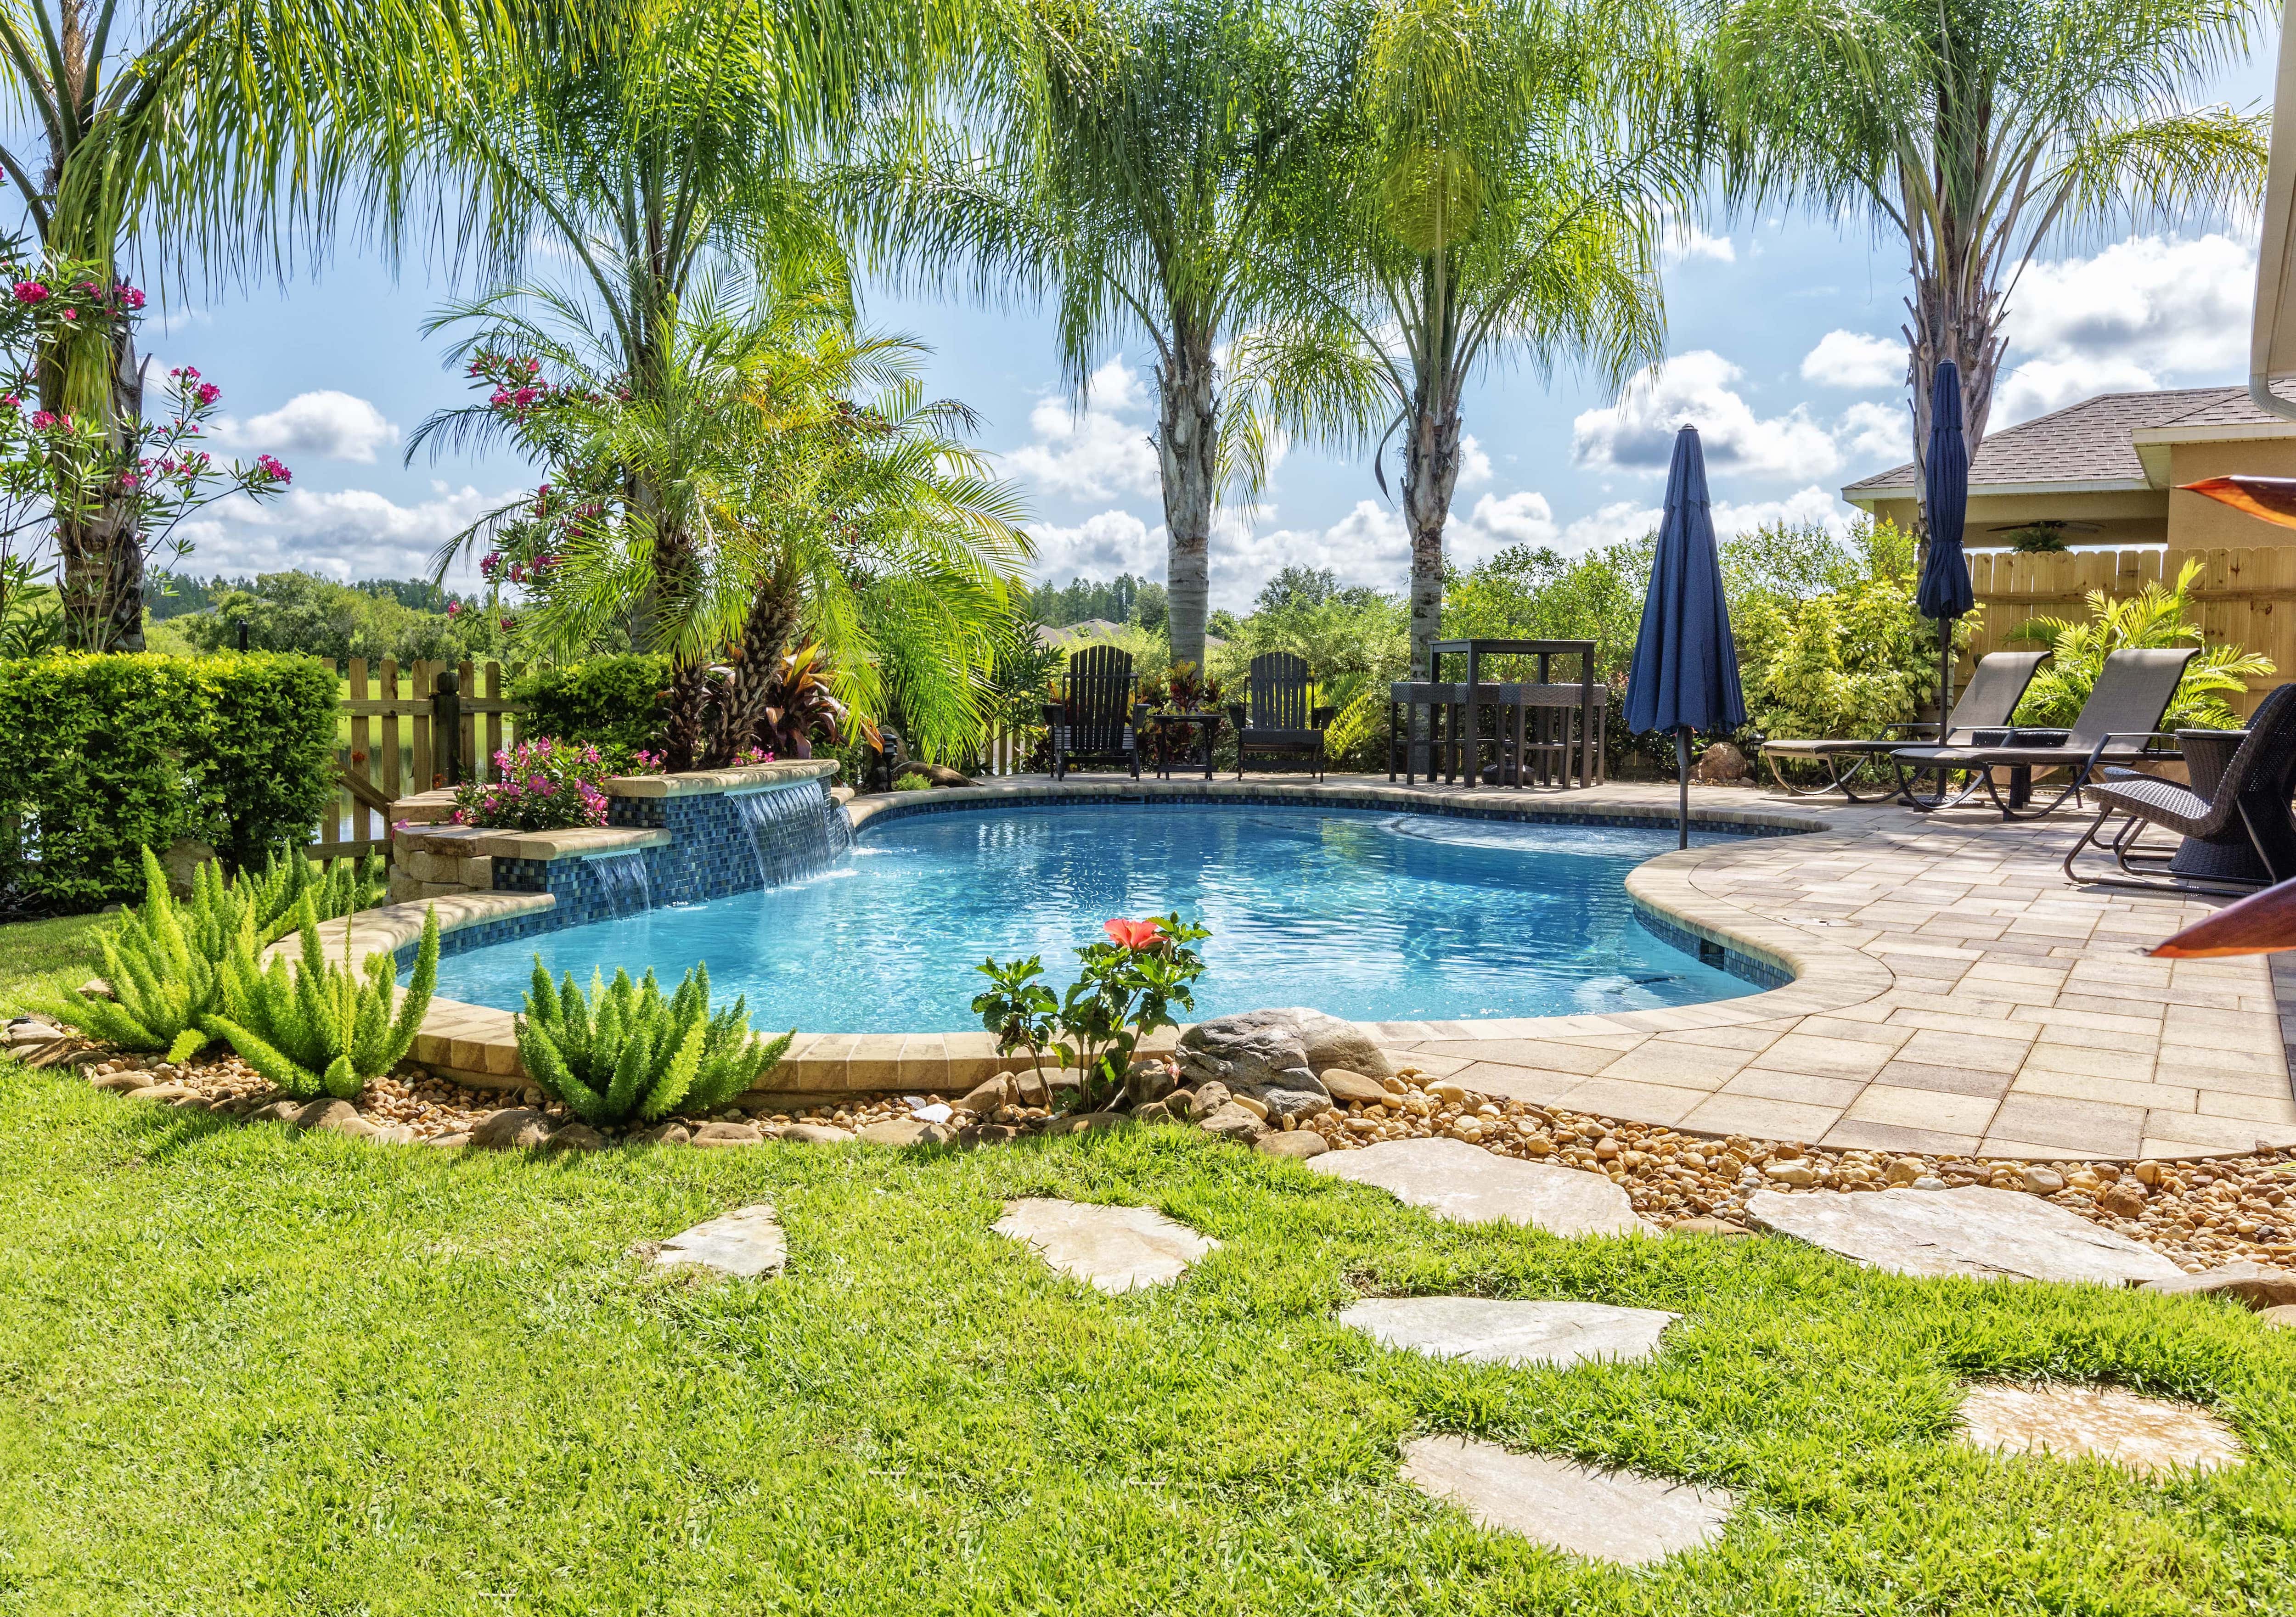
<point>1371,916</point>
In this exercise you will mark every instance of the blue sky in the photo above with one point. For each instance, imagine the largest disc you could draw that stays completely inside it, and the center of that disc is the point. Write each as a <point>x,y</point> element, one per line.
<point>1783,349</point>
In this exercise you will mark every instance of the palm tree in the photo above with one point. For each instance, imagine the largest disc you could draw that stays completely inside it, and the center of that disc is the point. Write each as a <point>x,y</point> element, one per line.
<point>812,492</point>
<point>1978,131</point>
<point>220,126</point>
<point>1134,159</point>
<point>1495,182</point>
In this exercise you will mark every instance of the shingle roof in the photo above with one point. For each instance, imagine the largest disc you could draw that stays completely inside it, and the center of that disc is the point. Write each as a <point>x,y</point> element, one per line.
<point>2088,442</point>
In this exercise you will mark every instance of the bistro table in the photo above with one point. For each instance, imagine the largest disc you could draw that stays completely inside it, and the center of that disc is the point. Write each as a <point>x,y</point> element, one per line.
<point>2228,856</point>
<point>1196,751</point>
<point>1542,697</point>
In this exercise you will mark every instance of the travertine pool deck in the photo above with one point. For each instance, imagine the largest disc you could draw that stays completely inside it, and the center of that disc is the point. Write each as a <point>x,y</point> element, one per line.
<point>1951,991</point>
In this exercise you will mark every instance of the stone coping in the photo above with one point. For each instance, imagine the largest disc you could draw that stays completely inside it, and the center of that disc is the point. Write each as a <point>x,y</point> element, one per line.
<point>487,842</point>
<point>2061,1041</point>
<point>746,778</point>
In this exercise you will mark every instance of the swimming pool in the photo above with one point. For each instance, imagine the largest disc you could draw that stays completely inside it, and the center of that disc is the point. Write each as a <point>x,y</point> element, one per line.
<point>1369,915</point>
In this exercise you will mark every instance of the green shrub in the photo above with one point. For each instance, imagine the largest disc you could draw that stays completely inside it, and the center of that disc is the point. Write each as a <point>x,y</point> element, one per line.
<point>100,756</point>
<point>336,887</point>
<point>613,703</point>
<point>162,964</point>
<point>2156,616</point>
<point>320,1028</point>
<point>623,1053</point>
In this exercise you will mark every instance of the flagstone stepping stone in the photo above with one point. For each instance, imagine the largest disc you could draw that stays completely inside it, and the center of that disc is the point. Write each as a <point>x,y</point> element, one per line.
<point>1484,1330</point>
<point>1990,1234</point>
<point>1469,1184</point>
<point>1116,1249</point>
<point>747,1242</point>
<point>1612,1516</point>
<point>2151,1435</point>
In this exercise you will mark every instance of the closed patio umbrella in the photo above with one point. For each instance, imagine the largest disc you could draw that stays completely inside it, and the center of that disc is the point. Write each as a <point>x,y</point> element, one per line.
<point>1685,676</point>
<point>1943,593</point>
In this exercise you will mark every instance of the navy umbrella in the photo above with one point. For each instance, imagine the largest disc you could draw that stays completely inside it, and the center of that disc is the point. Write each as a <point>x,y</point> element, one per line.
<point>1944,592</point>
<point>1685,670</point>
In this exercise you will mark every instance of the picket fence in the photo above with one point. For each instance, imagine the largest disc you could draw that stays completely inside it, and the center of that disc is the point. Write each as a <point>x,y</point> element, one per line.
<point>399,730</point>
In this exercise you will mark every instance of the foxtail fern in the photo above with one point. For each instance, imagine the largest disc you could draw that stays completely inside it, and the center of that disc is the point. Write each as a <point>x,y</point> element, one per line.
<point>623,1053</point>
<point>320,1028</point>
<point>161,962</point>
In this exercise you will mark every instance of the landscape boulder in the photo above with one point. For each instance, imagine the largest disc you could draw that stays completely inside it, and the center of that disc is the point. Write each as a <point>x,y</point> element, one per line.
<point>512,1129</point>
<point>907,1132</point>
<point>1260,1049</point>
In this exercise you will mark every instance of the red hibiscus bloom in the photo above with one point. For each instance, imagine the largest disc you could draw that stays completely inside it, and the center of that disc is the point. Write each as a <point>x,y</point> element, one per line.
<point>1134,934</point>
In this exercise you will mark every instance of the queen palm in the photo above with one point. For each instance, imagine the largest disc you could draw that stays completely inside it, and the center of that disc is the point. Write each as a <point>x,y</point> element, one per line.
<point>1132,164</point>
<point>1978,131</point>
<point>208,129</point>
<point>1495,181</point>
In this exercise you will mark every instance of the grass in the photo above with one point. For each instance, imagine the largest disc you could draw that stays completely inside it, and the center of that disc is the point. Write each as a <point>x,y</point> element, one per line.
<point>37,956</point>
<point>241,1373</point>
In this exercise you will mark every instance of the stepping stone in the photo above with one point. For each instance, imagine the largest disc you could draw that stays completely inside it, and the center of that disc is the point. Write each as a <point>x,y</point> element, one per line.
<point>1469,1184</point>
<point>1117,1249</point>
<point>1610,1515</point>
<point>1485,1331</point>
<point>747,1242</point>
<point>1990,1234</point>
<point>2151,1435</point>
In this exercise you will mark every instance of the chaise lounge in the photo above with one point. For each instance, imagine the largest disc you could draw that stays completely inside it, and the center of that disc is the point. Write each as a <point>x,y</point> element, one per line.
<point>1996,686</point>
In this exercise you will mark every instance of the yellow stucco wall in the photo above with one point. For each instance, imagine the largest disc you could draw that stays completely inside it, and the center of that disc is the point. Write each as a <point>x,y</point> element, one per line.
<point>2196,522</point>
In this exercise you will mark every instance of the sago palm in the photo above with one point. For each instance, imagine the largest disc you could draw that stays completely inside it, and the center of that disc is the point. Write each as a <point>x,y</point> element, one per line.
<point>1976,132</point>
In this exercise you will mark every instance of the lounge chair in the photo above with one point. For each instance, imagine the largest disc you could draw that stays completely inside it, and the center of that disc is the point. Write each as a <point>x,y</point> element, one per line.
<point>2116,725</point>
<point>2247,813</point>
<point>1092,722</point>
<point>1276,719</point>
<point>1996,686</point>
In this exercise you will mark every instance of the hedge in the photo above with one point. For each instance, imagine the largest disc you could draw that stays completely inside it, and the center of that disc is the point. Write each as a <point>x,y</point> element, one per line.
<point>100,755</point>
<point>605,701</point>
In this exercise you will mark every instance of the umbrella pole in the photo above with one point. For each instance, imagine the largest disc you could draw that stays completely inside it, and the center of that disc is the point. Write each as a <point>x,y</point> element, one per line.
<point>1945,676</point>
<point>1682,778</point>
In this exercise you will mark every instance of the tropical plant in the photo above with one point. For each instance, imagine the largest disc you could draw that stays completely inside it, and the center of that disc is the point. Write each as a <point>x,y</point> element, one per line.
<point>335,888</point>
<point>624,1054</point>
<point>540,785</point>
<point>319,1028</point>
<point>1133,162</point>
<point>1976,131</point>
<point>1492,185</point>
<point>2156,616</point>
<point>161,965</point>
<point>1128,988</point>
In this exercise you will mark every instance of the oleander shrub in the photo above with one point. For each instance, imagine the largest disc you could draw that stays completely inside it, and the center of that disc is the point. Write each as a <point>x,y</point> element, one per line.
<point>622,1053</point>
<point>319,1027</point>
<point>612,703</point>
<point>545,784</point>
<point>102,756</point>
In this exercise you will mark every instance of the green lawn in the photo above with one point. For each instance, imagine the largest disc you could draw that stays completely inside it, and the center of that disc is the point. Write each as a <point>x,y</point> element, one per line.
<point>241,1373</point>
<point>37,955</point>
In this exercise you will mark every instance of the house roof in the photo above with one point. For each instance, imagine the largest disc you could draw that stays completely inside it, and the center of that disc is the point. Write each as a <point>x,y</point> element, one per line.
<point>2090,445</point>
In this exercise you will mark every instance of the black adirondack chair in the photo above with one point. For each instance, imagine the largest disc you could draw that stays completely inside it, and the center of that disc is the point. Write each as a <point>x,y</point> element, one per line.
<point>1092,722</point>
<point>1276,719</point>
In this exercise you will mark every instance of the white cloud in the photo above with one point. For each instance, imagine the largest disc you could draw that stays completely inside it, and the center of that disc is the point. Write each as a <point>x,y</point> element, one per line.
<point>1636,434</point>
<point>1524,517</point>
<point>2039,386</point>
<point>1096,452</point>
<point>1099,547</point>
<point>1474,463</point>
<point>1623,520</point>
<point>1875,435</point>
<point>1683,240</point>
<point>333,426</point>
<point>355,533</point>
<point>1850,359</point>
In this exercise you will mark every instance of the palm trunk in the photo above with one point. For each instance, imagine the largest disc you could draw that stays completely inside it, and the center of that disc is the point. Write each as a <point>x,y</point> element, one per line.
<point>765,635</point>
<point>101,544</point>
<point>1430,472</point>
<point>1186,444</point>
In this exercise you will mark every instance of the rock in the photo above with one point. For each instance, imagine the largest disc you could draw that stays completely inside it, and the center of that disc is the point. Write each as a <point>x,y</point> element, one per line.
<point>2151,1435</point>
<point>1448,1093</point>
<point>192,1100</point>
<point>1609,1515</point>
<point>395,1134</point>
<point>2283,1316</point>
<point>938,774</point>
<point>575,1137</point>
<point>1471,1186</point>
<point>278,1111</point>
<point>907,1132</point>
<point>1089,1123</point>
<point>512,1129</point>
<point>1350,1087</point>
<point>1233,1121</point>
<point>26,1034</point>
<point>1799,1175</point>
<point>1929,1181</point>
<point>2038,1181</point>
<point>1483,1330</point>
<point>987,1096</point>
<point>1905,1170</point>
<point>147,1091</point>
<point>1720,763</point>
<point>724,1136</point>
<point>663,1134</point>
<point>1990,1234</point>
<point>1156,1111</point>
<point>1293,1103</point>
<point>96,988</point>
<point>1709,1226</point>
<point>1153,1078</point>
<point>747,1243</point>
<point>813,1134</point>
<point>123,1083</point>
<point>1207,1099</point>
<point>182,861</point>
<point>2124,1200</point>
<point>325,1112</point>
<point>1252,1104</point>
<point>1030,1091</point>
<point>1115,1249</point>
<point>986,1134</point>
<point>449,1141</point>
<point>1300,1144</point>
<point>1251,1050</point>
<point>2254,1283</point>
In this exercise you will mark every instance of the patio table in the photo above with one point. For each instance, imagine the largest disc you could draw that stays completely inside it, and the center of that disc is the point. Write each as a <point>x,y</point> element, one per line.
<point>1540,707</point>
<point>1197,751</point>
<point>2230,855</point>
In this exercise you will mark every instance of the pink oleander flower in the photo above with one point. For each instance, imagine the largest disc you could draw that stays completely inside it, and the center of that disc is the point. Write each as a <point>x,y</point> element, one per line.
<point>42,420</point>
<point>208,392</point>
<point>71,313</point>
<point>130,297</point>
<point>524,397</point>
<point>271,469</point>
<point>9,401</point>
<point>453,608</point>
<point>128,480</point>
<point>30,291</point>
<point>509,624</point>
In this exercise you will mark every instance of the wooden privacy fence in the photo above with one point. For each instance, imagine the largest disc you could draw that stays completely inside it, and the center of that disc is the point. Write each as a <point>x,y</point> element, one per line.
<point>2245,598</point>
<point>403,732</point>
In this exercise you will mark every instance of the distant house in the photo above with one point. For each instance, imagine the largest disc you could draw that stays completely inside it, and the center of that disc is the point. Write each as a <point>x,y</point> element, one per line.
<point>2104,472</point>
